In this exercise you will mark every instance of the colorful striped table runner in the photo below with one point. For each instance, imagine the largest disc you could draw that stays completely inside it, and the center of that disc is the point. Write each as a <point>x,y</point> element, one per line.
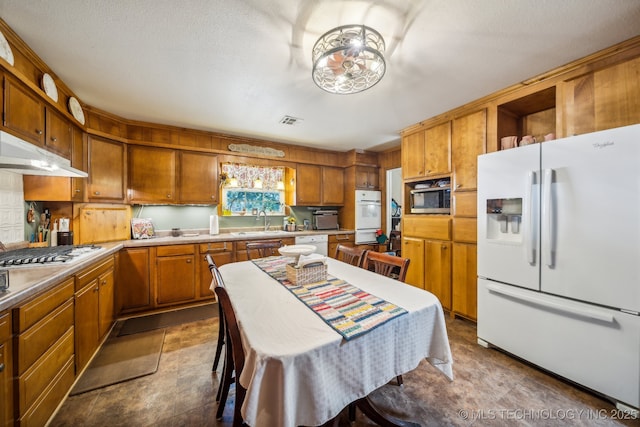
<point>349,310</point>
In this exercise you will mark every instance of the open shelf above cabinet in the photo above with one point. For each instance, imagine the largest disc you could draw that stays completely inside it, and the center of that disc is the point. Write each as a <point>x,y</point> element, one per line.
<point>534,115</point>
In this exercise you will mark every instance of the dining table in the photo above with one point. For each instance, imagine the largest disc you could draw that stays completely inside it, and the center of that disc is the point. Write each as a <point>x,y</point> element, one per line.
<point>301,371</point>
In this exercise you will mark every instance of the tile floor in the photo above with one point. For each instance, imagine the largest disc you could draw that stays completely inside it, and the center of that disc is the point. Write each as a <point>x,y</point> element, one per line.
<point>490,388</point>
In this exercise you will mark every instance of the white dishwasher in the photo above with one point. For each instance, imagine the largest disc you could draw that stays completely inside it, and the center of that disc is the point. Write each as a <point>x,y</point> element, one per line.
<point>320,241</point>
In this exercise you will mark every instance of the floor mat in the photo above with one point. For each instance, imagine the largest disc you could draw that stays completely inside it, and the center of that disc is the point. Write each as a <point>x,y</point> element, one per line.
<point>121,359</point>
<point>170,318</point>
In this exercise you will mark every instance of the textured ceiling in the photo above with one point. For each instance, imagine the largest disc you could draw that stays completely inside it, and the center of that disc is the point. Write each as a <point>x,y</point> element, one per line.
<point>238,67</point>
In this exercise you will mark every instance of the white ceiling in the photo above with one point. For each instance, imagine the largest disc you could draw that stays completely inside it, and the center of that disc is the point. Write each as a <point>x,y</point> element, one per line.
<point>238,67</point>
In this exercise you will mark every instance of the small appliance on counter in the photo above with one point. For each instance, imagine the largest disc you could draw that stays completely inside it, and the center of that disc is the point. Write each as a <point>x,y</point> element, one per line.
<point>325,219</point>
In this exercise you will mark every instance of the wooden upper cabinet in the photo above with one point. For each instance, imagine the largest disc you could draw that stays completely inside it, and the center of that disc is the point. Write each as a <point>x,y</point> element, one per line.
<point>469,140</point>
<point>198,178</point>
<point>427,152</point>
<point>332,186</point>
<point>413,153</point>
<point>23,112</point>
<point>437,141</point>
<point>308,185</point>
<point>152,174</point>
<point>58,136</point>
<point>367,178</point>
<point>604,99</point>
<point>106,170</point>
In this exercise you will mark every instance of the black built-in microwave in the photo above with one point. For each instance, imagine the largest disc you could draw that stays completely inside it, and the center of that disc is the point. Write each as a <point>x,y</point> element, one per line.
<point>433,200</point>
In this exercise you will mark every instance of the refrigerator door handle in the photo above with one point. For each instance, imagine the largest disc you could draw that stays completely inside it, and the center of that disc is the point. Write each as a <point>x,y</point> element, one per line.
<point>547,213</point>
<point>531,244</point>
<point>533,299</point>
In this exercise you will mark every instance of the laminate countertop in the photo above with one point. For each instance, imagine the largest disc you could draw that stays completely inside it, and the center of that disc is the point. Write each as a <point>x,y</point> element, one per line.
<point>27,281</point>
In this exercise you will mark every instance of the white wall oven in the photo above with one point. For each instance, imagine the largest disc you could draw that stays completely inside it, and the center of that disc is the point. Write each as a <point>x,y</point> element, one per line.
<point>368,215</point>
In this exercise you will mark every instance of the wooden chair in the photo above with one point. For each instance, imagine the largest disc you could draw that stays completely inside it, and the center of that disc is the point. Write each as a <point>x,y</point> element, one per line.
<point>234,352</point>
<point>215,275</point>
<point>349,254</point>
<point>263,248</point>
<point>387,265</point>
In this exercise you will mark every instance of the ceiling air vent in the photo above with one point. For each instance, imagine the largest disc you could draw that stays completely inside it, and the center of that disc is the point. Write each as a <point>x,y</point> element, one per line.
<point>289,120</point>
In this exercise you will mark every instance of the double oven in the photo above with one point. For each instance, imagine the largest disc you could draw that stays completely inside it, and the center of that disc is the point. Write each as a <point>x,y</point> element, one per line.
<point>368,215</point>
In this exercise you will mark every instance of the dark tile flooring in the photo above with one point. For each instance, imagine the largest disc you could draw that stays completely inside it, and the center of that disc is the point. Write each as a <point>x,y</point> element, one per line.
<point>490,388</point>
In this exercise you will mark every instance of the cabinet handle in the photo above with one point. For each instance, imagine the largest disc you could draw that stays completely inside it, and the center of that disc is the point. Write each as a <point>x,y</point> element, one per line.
<point>96,289</point>
<point>1,366</point>
<point>97,193</point>
<point>458,185</point>
<point>188,261</point>
<point>168,196</point>
<point>38,131</point>
<point>54,139</point>
<point>104,282</point>
<point>444,247</point>
<point>429,171</point>
<point>77,190</point>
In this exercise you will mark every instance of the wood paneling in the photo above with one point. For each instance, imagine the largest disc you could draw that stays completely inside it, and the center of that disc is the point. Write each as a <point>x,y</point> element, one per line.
<point>98,224</point>
<point>427,226</point>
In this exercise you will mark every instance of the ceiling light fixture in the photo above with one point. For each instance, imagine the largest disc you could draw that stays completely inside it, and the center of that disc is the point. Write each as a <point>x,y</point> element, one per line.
<point>348,59</point>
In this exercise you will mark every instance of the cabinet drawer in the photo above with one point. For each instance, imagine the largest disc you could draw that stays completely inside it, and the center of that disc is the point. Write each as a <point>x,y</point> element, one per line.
<point>465,230</point>
<point>36,379</point>
<point>464,204</point>
<point>43,408</point>
<point>342,238</point>
<point>36,340</point>
<point>5,326</point>
<point>175,250</point>
<point>216,247</point>
<point>91,273</point>
<point>428,227</point>
<point>27,315</point>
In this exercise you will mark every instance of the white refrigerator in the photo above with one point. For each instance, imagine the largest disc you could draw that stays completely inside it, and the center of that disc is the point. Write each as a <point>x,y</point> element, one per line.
<point>559,258</point>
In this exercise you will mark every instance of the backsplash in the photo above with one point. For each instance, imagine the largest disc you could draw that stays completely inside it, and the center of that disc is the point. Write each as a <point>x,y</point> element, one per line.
<point>12,216</point>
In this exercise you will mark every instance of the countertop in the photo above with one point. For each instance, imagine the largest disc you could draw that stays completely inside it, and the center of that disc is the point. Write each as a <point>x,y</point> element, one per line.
<point>25,282</point>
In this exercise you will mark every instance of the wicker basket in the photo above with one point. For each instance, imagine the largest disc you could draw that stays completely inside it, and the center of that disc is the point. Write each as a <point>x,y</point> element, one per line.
<point>302,276</point>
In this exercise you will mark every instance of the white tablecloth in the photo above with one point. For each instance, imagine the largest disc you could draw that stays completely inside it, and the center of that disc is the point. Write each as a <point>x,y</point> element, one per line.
<point>299,371</point>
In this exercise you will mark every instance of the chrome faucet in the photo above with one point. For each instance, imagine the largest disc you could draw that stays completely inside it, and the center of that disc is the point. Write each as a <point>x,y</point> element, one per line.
<point>267,223</point>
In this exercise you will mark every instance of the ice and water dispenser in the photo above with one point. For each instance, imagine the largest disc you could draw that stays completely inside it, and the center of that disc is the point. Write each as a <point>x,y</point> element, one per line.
<point>504,219</point>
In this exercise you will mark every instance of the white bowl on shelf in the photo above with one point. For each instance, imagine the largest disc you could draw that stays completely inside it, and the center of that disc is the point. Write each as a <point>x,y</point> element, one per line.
<point>294,251</point>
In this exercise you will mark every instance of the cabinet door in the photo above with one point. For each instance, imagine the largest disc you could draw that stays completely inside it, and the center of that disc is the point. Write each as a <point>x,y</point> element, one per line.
<point>332,186</point>
<point>23,112</point>
<point>133,287</point>
<point>152,174</point>
<point>367,178</point>
<point>106,170</point>
<point>413,249</point>
<point>198,178</point>
<point>106,298</point>
<point>437,269</point>
<point>86,323</point>
<point>175,279</point>
<point>58,134</point>
<point>465,280</point>
<point>437,141</point>
<point>308,185</point>
<point>413,153</point>
<point>469,140</point>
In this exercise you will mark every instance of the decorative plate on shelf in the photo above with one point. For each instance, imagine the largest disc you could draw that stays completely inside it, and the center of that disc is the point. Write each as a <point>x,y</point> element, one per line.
<point>49,87</point>
<point>5,50</point>
<point>76,109</point>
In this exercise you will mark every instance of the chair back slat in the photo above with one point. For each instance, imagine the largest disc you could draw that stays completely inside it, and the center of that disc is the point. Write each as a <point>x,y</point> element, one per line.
<point>263,248</point>
<point>349,254</point>
<point>386,264</point>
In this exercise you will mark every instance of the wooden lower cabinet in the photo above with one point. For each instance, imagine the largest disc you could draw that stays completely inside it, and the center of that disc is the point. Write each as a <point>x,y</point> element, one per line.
<point>133,287</point>
<point>413,249</point>
<point>43,368</point>
<point>241,247</point>
<point>6,370</point>
<point>174,274</point>
<point>437,270</point>
<point>347,239</point>
<point>94,309</point>
<point>465,280</point>
<point>221,253</point>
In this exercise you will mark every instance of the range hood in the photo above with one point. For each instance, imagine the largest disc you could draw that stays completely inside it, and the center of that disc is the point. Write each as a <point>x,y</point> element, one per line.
<point>19,156</point>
